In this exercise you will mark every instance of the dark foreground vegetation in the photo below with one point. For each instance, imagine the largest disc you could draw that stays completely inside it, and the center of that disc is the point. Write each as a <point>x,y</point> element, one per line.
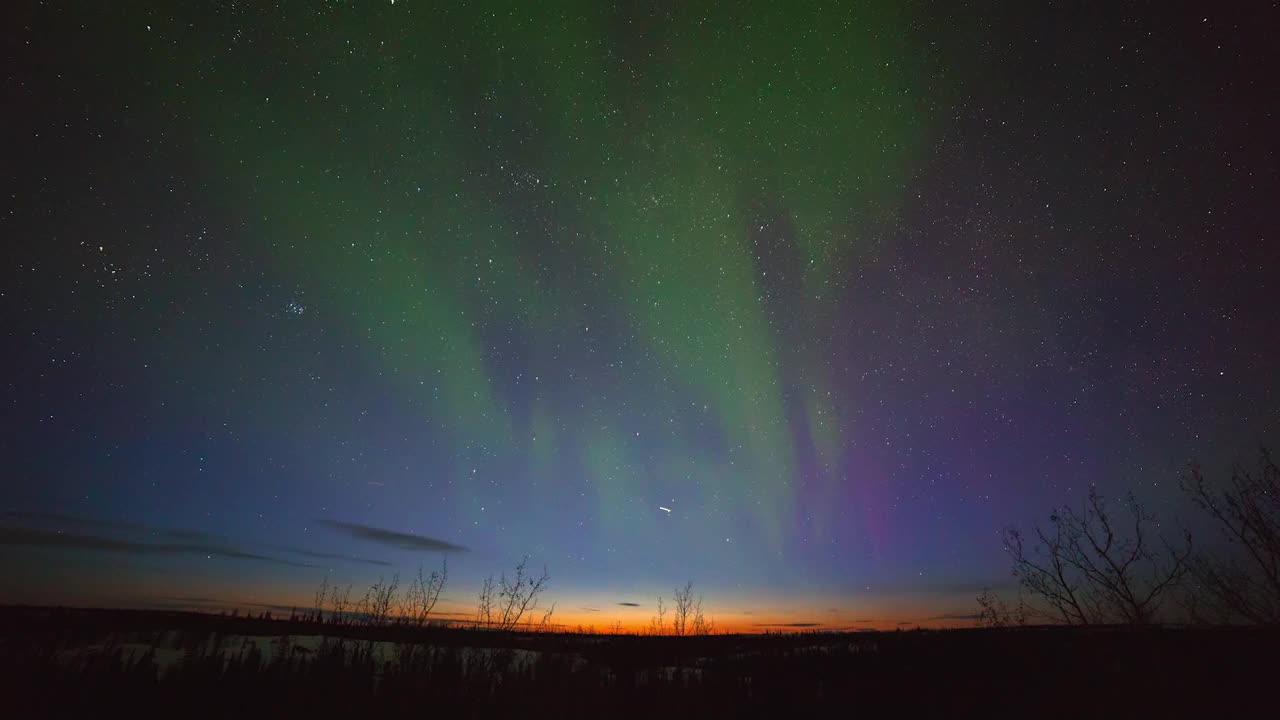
<point>109,663</point>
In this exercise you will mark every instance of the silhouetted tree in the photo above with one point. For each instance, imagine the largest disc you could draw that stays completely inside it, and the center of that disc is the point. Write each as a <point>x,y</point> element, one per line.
<point>484,611</point>
<point>702,625</point>
<point>994,612</point>
<point>519,595</point>
<point>379,600</point>
<point>680,621</point>
<point>544,625</point>
<point>340,600</point>
<point>424,593</point>
<point>1089,570</point>
<point>321,592</point>
<point>1245,584</point>
<point>657,624</point>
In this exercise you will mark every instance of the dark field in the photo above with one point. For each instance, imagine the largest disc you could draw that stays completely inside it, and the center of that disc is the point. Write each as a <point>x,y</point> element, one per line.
<point>90,663</point>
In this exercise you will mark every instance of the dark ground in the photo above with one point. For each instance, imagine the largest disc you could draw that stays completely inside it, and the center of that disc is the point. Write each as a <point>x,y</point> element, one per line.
<point>1029,672</point>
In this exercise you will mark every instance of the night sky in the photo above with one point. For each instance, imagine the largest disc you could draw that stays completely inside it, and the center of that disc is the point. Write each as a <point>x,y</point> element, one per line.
<point>801,302</point>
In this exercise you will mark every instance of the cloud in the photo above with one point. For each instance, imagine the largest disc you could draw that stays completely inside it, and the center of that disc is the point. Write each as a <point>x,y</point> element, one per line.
<point>189,602</point>
<point>334,556</point>
<point>629,604</point>
<point>957,616</point>
<point>589,609</point>
<point>273,607</point>
<point>177,605</point>
<point>790,624</point>
<point>30,537</point>
<point>404,541</point>
<point>146,534</point>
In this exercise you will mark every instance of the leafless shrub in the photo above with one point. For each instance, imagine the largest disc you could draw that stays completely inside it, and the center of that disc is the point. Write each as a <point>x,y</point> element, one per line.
<point>484,611</point>
<point>680,621</point>
<point>379,600</point>
<point>519,595</point>
<point>544,625</point>
<point>360,609</point>
<point>1244,585</point>
<point>423,594</point>
<point>1088,572</point>
<point>702,625</point>
<point>317,614</point>
<point>994,612</point>
<point>657,624</point>
<point>340,602</point>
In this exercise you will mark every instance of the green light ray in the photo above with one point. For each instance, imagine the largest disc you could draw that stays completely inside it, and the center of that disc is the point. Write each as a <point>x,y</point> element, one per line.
<point>374,177</point>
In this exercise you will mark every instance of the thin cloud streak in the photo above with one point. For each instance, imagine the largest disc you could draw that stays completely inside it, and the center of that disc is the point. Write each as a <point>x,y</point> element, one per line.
<point>29,537</point>
<point>392,538</point>
<point>335,556</point>
<point>957,616</point>
<point>54,522</point>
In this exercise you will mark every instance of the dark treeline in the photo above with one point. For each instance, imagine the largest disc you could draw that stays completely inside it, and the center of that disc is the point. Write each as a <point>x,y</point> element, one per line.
<point>1047,671</point>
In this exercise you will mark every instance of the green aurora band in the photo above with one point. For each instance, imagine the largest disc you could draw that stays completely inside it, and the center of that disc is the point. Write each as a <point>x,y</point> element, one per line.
<point>438,175</point>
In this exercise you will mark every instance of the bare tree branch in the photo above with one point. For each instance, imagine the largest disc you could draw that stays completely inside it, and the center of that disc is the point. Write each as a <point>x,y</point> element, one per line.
<point>1088,572</point>
<point>519,595</point>
<point>684,608</point>
<point>1245,584</point>
<point>423,594</point>
<point>484,612</point>
<point>544,625</point>
<point>657,624</point>
<point>318,613</point>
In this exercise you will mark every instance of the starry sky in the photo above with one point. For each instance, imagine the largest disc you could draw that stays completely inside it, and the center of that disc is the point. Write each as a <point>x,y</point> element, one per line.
<point>802,302</point>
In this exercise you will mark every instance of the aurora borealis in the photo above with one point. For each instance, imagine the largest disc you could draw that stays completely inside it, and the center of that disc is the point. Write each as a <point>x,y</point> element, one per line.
<point>800,302</point>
